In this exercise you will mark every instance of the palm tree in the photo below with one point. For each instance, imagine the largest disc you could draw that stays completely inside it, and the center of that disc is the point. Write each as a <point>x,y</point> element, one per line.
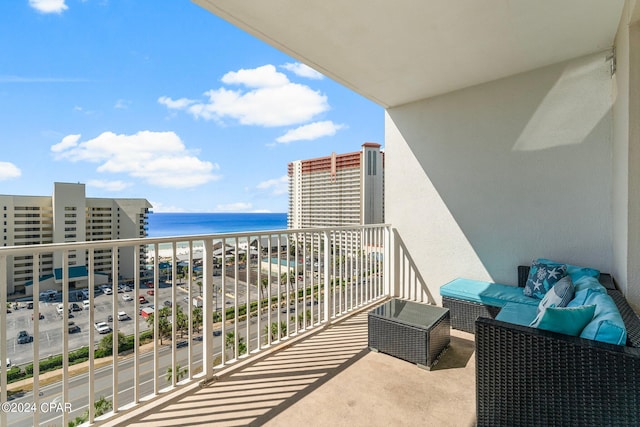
<point>102,406</point>
<point>196,317</point>
<point>265,286</point>
<point>274,330</point>
<point>230,343</point>
<point>180,373</point>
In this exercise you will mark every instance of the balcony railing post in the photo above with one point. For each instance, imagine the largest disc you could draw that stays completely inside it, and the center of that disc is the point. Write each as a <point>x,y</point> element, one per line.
<point>327,252</point>
<point>390,261</point>
<point>3,337</point>
<point>207,308</point>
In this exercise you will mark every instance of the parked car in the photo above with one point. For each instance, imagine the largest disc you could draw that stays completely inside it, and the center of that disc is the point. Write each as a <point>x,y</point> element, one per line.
<point>24,337</point>
<point>167,303</point>
<point>107,291</point>
<point>181,344</point>
<point>102,328</point>
<point>8,362</point>
<point>75,307</point>
<point>41,316</point>
<point>127,297</point>
<point>86,305</point>
<point>150,292</point>
<point>73,328</point>
<point>122,315</point>
<point>142,299</point>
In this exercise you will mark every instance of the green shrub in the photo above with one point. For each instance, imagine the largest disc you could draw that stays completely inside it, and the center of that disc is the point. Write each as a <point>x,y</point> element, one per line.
<point>15,374</point>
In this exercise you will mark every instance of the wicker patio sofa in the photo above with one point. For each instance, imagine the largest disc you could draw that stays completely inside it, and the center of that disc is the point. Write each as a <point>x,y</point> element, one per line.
<point>532,377</point>
<point>464,313</point>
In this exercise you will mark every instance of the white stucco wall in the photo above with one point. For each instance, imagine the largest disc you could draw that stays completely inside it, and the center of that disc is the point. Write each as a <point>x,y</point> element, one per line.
<point>486,178</point>
<point>626,156</point>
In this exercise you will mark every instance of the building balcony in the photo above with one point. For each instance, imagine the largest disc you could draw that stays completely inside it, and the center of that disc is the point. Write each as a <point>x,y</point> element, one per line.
<point>327,378</point>
<point>269,299</point>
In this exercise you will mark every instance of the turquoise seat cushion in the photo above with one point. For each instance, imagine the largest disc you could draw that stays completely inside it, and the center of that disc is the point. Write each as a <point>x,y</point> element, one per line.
<point>574,271</point>
<point>607,324</point>
<point>519,314</point>
<point>565,320</point>
<point>487,293</point>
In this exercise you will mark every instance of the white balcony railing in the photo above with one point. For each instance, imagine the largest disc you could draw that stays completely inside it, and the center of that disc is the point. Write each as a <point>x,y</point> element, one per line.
<point>253,290</point>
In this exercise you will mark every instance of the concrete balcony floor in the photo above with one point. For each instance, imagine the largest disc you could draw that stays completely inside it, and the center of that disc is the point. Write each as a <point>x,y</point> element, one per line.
<point>330,378</point>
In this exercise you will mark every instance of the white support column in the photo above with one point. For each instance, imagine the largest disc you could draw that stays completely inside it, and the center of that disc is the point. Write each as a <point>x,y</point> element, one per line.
<point>136,323</point>
<point>390,260</point>
<point>65,333</point>
<point>327,256</point>
<point>92,320</point>
<point>3,337</point>
<point>207,309</point>
<point>114,315</point>
<point>36,335</point>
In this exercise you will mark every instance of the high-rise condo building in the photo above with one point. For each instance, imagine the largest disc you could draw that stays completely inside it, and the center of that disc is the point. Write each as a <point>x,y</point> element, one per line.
<point>69,216</point>
<point>337,190</point>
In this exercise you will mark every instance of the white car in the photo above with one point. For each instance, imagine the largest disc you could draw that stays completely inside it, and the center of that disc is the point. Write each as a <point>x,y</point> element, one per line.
<point>122,315</point>
<point>102,328</point>
<point>127,297</point>
<point>107,291</point>
<point>86,305</point>
<point>8,362</point>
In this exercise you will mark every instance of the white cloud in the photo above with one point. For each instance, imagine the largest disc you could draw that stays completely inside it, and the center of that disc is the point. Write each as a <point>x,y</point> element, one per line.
<point>109,185</point>
<point>268,99</point>
<point>276,187</point>
<point>48,6</point>
<point>9,171</point>
<point>310,132</point>
<point>302,70</point>
<point>265,76</point>
<point>67,142</point>
<point>176,104</point>
<point>234,207</point>
<point>158,158</point>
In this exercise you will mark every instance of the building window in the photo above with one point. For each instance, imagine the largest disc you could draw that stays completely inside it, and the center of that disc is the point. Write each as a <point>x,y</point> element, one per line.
<point>374,161</point>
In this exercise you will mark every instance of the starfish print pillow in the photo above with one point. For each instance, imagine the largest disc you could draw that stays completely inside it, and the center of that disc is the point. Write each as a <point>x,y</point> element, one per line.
<point>542,277</point>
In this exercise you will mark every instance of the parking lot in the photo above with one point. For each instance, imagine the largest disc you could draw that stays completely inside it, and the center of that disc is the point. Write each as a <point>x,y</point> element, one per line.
<point>51,322</point>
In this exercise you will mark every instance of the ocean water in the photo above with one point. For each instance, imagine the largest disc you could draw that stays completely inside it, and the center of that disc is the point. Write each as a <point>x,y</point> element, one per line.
<point>163,224</point>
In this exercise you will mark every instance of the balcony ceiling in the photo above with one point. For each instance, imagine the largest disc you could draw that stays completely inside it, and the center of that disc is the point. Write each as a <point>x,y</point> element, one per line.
<point>396,52</point>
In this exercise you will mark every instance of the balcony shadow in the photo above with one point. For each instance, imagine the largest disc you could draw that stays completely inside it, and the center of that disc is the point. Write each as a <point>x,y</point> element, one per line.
<point>326,379</point>
<point>457,355</point>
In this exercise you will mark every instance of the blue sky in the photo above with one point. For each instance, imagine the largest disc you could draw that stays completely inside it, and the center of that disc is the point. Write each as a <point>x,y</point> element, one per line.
<point>161,100</point>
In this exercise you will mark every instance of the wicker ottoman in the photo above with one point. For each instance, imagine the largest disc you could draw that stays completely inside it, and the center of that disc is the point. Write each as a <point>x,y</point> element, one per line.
<point>417,333</point>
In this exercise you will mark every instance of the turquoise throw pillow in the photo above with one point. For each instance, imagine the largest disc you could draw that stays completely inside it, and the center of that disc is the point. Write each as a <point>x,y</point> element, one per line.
<point>565,320</point>
<point>542,277</point>
<point>559,295</point>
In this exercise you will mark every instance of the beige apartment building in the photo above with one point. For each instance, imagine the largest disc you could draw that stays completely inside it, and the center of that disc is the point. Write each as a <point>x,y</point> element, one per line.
<point>69,216</point>
<point>337,190</point>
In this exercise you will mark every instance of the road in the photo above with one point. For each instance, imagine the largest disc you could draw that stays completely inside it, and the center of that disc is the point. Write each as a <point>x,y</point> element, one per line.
<point>102,379</point>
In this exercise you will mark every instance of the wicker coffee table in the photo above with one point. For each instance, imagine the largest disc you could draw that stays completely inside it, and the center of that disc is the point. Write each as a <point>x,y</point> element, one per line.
<point>417,333</point>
